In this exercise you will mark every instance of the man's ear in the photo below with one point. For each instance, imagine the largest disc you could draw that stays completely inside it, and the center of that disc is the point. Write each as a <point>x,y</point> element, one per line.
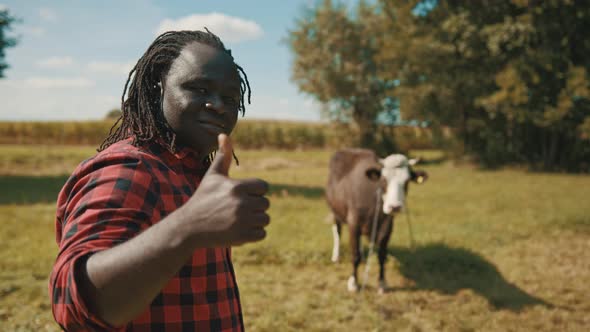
<point>162,85</point>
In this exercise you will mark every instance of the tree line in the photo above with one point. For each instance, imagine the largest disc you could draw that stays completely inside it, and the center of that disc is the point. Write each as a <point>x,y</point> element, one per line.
<point>510,77</point>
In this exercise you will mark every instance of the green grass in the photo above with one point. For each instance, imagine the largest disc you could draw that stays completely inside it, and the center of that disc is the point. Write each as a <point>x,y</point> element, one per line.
<point>41,159</point>
<point>497,250</point>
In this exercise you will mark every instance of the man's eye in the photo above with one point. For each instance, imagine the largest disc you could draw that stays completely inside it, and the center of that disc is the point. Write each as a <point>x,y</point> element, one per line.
<point>230,100</point>
<point>197,88</point>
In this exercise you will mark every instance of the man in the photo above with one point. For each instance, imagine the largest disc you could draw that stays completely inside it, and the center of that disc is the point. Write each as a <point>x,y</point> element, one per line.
<point>145,226</point>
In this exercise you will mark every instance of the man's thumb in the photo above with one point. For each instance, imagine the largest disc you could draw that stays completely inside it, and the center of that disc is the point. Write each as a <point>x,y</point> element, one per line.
<point>223,156</point>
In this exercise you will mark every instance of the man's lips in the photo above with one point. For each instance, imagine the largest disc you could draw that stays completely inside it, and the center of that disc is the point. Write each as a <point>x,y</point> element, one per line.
<point>213,126</point>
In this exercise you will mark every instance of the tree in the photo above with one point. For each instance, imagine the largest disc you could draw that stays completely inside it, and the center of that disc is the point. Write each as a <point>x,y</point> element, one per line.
<point>543,91</point>
<point>509,76</point>
<point>335,62</point>
<point>440,59</point>
<point>5,21</point>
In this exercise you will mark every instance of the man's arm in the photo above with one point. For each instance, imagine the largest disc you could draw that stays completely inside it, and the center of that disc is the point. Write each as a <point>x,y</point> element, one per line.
<point>118,283</point>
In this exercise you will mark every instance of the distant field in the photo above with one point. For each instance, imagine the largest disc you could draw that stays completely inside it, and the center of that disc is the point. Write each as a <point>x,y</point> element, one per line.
<point>497,250</point>
<point>250,134</point>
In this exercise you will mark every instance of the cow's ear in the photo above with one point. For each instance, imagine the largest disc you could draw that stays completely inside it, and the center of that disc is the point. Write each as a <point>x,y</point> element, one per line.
<point>374,174</point>
<point>418,176</point>
<point>413,161</point>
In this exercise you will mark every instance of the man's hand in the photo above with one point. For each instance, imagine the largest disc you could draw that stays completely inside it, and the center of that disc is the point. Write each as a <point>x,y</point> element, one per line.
<point>222,212</point>
<point>226,211</point>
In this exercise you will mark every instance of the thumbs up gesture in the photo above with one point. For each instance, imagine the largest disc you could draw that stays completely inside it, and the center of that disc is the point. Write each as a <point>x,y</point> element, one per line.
<point>223,211</point>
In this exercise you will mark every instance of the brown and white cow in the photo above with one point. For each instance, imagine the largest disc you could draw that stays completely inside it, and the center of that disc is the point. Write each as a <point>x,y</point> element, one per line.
<point>351,193</point>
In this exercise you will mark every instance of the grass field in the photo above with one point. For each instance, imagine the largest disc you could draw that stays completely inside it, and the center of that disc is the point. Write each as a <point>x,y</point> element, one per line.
<point>497,251</point>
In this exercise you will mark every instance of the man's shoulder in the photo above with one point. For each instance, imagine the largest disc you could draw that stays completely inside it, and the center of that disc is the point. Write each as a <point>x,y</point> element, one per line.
<point>124,152</point>
<point>121,175</point>
<point>122,159</point>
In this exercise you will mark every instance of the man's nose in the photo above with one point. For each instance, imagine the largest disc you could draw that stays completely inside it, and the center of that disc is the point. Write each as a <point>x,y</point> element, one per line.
<point>215,103</point>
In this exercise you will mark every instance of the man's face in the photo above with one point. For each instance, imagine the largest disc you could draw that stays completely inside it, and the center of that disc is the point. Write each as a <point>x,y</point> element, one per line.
<point>201,95</point>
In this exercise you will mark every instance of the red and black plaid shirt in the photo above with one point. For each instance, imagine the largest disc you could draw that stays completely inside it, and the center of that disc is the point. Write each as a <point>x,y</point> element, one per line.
<point>111,198</point>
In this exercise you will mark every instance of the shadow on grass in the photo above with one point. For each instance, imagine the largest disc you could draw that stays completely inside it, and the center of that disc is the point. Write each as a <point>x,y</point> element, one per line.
<point>30,189</point>
<point>448,270</point>
<point>43,189</point>
<point>286,190</point>
<point>580,224</point>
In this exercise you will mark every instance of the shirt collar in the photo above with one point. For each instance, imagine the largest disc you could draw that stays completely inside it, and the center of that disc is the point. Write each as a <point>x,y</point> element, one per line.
<point>186,155</point>
<point>183,152</point>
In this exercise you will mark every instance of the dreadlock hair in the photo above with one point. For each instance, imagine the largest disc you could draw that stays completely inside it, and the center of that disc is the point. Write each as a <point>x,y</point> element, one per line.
<point>142,114</point>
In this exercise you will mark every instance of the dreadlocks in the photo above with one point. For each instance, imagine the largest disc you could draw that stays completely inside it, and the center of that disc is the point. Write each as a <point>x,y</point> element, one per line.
<point>142,115</point>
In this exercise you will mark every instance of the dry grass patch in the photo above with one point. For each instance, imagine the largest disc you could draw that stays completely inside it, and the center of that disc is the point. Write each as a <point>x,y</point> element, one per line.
<point>497,251</point>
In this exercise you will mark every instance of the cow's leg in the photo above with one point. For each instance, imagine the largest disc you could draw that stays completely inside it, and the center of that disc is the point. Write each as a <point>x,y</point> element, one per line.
<point>385,231</point>
<point>355,235</point>
<point>336,235</point>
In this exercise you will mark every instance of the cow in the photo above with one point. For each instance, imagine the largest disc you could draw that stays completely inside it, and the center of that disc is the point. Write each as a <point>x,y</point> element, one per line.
<point>351,193</point>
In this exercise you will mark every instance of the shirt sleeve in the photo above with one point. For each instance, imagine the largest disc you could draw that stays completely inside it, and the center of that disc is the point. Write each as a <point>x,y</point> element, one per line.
<point>105,203</point>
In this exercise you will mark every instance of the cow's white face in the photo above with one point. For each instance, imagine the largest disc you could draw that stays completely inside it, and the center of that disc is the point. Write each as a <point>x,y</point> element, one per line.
<point>396,172</point>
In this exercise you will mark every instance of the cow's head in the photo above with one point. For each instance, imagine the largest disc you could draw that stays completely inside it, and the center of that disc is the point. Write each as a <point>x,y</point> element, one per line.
<point>397,173</point>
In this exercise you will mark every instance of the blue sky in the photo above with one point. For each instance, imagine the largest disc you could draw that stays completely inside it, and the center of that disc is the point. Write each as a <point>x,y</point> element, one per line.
<point>73,56</point>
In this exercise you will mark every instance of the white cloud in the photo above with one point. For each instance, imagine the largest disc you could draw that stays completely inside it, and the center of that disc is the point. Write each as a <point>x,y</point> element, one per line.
<point>57,82</point>
<point>110,99</point>
<point>33,31</point>
<point>20,102</point>
<point>56,62</point>
<point>47,14</point>
<point>33,100</point>
<point>116,68</point>
<point>280,107</point>
<point>8,83</point>
<point>3,6</point>
<point>228,28</point>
